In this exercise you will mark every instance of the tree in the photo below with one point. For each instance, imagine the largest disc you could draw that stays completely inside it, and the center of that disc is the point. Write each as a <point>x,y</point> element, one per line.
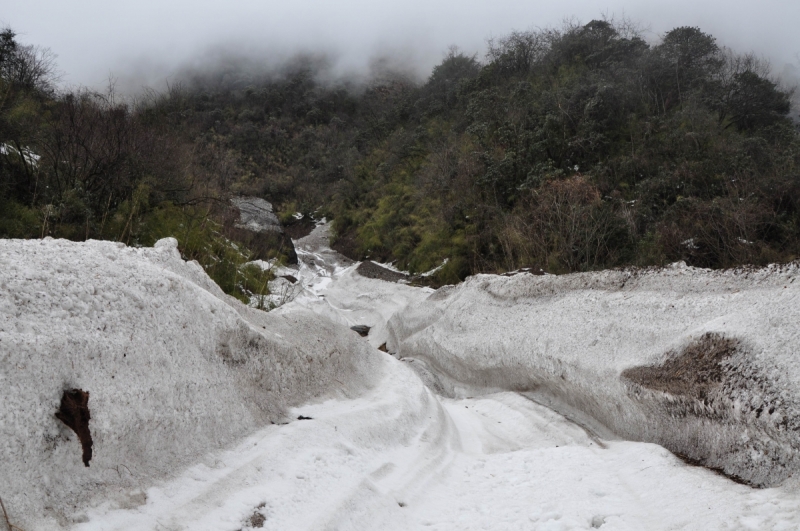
<point>687,58</point>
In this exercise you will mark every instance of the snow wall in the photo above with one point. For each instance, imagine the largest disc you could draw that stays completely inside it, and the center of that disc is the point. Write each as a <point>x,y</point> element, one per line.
<point>174,368</point>
<point>567,340</point>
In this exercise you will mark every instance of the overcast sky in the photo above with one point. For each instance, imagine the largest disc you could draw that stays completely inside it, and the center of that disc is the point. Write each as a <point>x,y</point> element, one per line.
<point>144,42</point>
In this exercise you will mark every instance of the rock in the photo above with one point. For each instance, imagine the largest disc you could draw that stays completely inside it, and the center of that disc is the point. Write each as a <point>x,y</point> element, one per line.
<point>256,215</point>
<point>290,278</point>
<point>363,330</point>
<point>259,229</point>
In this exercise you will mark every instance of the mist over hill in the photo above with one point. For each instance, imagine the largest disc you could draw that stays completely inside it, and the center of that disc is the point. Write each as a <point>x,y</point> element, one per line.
<point>146,43</point>
<point>569,148</point>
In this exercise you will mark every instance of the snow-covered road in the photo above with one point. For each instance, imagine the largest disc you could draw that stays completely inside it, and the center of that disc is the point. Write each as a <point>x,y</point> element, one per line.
<point>400,457</point>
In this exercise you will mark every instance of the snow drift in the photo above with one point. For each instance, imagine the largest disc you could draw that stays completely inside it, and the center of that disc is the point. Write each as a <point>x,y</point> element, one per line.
<point>174,368</point>
<point>702,362</point>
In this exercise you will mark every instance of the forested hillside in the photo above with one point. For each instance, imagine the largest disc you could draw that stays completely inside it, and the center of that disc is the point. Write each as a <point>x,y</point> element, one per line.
<point>568,149</point>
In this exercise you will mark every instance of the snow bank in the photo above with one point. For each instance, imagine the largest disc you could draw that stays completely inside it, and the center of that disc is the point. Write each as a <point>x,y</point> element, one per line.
<point>347,467</point>
<point>566,341</point>
<point>174,368</point>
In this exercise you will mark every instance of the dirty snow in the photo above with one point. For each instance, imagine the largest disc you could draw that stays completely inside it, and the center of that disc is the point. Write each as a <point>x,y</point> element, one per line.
<point>566,340</point>
<point>174,369</point>
<point>380,449</point>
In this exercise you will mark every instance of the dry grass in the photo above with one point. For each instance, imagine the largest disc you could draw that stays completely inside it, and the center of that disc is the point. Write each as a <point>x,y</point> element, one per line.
<point>694,373</point>
<point>9,525</point>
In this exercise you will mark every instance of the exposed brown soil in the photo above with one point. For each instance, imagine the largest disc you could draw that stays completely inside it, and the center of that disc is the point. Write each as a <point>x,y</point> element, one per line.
<point>693,373</point>
<point>74,412</point>
<point>257,520</point>
<point>370,269</point>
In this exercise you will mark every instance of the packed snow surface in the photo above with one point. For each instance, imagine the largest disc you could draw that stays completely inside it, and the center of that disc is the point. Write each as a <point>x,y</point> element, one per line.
<point>567,340</point>
<point>377,448</point>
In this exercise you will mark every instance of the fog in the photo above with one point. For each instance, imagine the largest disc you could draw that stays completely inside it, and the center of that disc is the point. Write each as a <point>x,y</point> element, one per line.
<point>148,42</point>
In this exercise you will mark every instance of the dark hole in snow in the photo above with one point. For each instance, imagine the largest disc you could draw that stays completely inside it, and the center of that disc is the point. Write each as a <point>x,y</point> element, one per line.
<point>362,330</point>
<point>74,412</point>
<point>301,417</point>
<point>290,278</point>
<point>383,348</point>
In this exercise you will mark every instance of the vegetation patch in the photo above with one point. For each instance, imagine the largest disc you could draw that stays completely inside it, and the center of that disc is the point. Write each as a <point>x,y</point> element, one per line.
<point>299,228</point>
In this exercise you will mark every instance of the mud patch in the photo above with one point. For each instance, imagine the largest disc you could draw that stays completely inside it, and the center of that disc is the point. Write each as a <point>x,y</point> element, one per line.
<point>695,372</point>
<point>256,520</point>
<point>74,412</point>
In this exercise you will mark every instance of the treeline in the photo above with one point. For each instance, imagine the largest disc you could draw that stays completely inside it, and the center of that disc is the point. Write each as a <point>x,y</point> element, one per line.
<point>82,164</point>
<point>568,149</point>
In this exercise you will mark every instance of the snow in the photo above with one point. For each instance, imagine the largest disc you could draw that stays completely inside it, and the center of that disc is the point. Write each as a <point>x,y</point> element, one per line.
<point>565,340</point>
<point>28,156</point>
<point>174,369</point>
<point>512,445</point>
<point>452,465</point>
